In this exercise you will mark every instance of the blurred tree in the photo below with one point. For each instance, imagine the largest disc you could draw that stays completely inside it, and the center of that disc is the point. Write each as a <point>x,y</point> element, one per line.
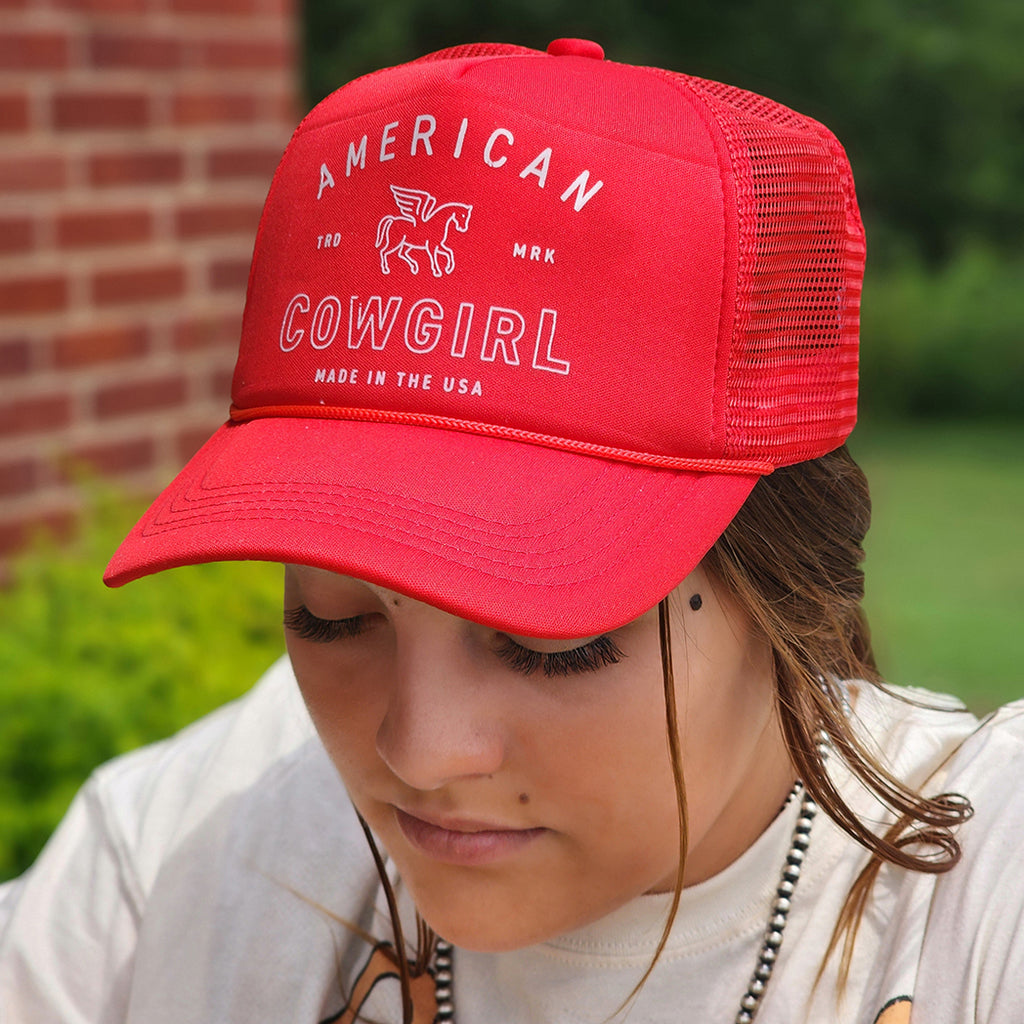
<point>927,94</point>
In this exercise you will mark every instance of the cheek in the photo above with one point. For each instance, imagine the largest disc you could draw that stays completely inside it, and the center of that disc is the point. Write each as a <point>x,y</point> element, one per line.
<point>608,761</point>
<point>344,701</point>
<point>725,702</point>
<point>623,833</point>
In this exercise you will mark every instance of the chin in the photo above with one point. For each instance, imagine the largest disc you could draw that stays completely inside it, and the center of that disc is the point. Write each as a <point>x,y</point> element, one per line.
<point>491,916</point>
<point>482,911</point>
<point>476,918</point>
<point>478,933</point>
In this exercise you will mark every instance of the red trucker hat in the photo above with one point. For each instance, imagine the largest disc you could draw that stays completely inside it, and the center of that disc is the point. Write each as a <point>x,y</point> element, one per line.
<point>523,330</point>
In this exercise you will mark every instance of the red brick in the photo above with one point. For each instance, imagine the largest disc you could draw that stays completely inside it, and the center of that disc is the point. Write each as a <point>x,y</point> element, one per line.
<point>199,220</point>
<point>16,234</point>
<point>103,6</point>
<point>32,173</point>
<point>110,227</point>
<point>214,108</point>
<point>34,415</point>
<point>220,385</point>
<point>16,533</point>
<point>15,357</point>
<point>115,457</point>
<point>14,113</point>
<point>18,477</point>
<point>85,348</point>
<point>259,54</point>
<point>100,110</point>
<point>207,333</point>
<point>46,293</point>
<point>141,396</point>
<point>135,50</point>
<point>33,51</point>
<point>112,287</point>
<point>229,275</point>
<point>281,107</point>
<point>243,162</point>
<point>215,6</point>
<point>138,167</point>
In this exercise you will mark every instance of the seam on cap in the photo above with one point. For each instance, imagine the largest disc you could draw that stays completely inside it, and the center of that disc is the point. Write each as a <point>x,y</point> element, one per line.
<point>230,494</point>
<point>223,498</point>
<point>426,532</point>
<point>589,130</point>
<point>723,355</point>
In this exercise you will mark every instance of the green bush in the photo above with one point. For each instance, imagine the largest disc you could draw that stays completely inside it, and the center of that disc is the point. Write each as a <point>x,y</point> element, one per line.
<point>944,342</point>
<point>87,673</point>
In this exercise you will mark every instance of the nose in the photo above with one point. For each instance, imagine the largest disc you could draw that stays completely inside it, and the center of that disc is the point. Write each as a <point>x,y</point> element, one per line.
<point>441,723</point>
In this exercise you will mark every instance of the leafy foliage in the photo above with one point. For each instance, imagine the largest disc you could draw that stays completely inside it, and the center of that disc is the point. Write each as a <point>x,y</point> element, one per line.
<point>927,94</point>
<point>944,342</point>
<point>87,673</point>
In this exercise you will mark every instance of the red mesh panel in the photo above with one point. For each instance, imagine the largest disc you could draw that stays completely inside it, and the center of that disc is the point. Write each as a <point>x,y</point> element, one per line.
<point>792,390</point>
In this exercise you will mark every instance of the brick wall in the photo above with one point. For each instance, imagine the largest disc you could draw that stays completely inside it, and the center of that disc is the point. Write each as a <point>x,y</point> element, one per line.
<point>137,141</point>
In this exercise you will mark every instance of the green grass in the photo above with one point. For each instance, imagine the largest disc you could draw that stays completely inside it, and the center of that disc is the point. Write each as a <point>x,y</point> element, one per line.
<point>945,556</point>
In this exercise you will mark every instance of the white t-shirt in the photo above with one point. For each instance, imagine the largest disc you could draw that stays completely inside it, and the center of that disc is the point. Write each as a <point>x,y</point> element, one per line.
<point>221,876</point>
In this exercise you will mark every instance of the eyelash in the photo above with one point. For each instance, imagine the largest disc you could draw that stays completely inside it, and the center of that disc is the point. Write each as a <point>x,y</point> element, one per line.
<point>587,658</point>
<point>307,626</point>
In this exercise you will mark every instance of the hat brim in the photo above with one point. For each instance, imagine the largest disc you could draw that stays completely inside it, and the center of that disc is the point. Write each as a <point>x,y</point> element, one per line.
<point>531,540</point>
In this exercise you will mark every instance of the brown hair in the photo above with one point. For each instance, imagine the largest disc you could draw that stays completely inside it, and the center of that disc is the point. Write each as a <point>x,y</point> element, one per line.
<point>792,559</point>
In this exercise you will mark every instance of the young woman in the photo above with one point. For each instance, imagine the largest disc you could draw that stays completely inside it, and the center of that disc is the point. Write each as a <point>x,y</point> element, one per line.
<point>545,374</point>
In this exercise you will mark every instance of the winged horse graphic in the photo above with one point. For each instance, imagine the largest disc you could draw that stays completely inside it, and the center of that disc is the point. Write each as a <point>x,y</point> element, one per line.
<point>419,210</point>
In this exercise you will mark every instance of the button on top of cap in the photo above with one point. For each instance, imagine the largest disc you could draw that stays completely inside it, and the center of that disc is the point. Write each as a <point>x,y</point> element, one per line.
<point>576,48</point>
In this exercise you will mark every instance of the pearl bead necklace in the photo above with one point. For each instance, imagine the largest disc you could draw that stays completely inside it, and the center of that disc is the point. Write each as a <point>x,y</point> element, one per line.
<point>751,1000</point>
<point>444,981</point>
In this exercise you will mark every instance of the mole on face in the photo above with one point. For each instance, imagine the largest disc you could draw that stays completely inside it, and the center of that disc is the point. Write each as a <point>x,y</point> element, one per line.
<point>696,602</point>
<point>524,798</point>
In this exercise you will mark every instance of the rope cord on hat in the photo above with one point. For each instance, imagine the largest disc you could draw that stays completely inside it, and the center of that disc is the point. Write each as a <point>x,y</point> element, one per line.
<point>327,412</point>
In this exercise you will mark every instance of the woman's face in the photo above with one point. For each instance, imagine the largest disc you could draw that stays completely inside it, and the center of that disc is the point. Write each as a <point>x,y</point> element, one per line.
<point>524,787</point>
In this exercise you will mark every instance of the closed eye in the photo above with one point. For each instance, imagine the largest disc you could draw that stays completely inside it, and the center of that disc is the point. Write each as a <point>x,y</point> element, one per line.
<point>589,657</point>
<point>307,626</point>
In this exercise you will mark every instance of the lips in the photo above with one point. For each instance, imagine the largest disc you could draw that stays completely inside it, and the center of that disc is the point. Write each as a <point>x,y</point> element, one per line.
<point>467,843</point>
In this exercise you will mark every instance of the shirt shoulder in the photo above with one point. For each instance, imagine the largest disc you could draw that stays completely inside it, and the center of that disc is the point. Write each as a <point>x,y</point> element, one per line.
<point>961,931</point>
<point>152,797</point>
<point>230,851</point>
